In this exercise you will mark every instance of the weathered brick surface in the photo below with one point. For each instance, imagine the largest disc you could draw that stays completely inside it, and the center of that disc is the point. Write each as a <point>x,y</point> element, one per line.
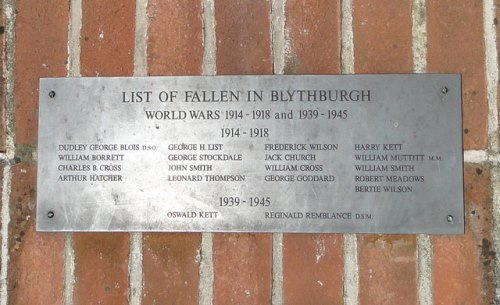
<point>463,266</point>
<point>242,267</point>
<point>36,264</point>
<point>107,38</point>
<point>383,44</point>
<point>382,36</point>
<point>312,33</point>
<point>387,269</point>
<point>171,268</point>
<point>243,37</point>
<point>40,51</point>
<point>456,45</point>
<point>2,82</point>
<point>175,45</point>
<point>242,262</point>
<point>107,49</point>
<point>312,263</point>
<point>101,268</point>
<point>312,269</point>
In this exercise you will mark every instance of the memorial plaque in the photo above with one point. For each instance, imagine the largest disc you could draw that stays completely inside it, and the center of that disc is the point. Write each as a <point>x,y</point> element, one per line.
<point>323,153</point>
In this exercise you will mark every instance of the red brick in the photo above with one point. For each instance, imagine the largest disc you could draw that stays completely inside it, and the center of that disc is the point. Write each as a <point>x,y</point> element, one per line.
<point>463,266</point>
<point>101,268</point>
<point>36,264</point>
<point>456,45</point>
<point>107,49</point>
<point>175,36</point>
<point>387,269</point>
<point>312,269</point>
<point>171,268</point>
<point>242,268</point>
<point>312,32</point>
<point>382,32</point>
<point>107,39</point>
<point>243,37</point>
<point>41,51</point>
<point>312,263</point>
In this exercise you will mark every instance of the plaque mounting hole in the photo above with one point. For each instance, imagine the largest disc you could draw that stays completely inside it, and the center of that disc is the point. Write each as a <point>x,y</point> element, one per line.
<point>449,218</point>
<point>52,94</point>
<point>444,90</point>
<point>50,214</point>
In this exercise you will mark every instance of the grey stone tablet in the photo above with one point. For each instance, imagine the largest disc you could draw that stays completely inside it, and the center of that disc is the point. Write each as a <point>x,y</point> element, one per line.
<point>322,153</point>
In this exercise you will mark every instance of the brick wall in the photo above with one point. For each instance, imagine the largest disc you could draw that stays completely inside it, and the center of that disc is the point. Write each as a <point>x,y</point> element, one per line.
<point>52,38</point>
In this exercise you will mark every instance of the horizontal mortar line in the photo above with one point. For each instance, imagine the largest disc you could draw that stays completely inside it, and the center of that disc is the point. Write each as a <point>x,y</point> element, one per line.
<point>479,156</point>
<point>475,156</point>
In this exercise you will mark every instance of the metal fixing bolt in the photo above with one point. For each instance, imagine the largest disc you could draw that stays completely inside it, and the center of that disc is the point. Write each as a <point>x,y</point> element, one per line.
<point>50,214</point>
<point>449,218</point>
<point>52,94</point>
<point>444,90</point>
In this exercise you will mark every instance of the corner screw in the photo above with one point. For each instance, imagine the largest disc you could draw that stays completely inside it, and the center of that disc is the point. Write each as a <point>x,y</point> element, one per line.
<point>50,214</point>
<point>444,90</point>
<point>449,218</point>
<point>52,94</point>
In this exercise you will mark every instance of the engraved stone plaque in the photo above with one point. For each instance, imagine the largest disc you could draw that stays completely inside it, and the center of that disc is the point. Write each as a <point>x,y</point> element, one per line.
<point>322,153</point>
